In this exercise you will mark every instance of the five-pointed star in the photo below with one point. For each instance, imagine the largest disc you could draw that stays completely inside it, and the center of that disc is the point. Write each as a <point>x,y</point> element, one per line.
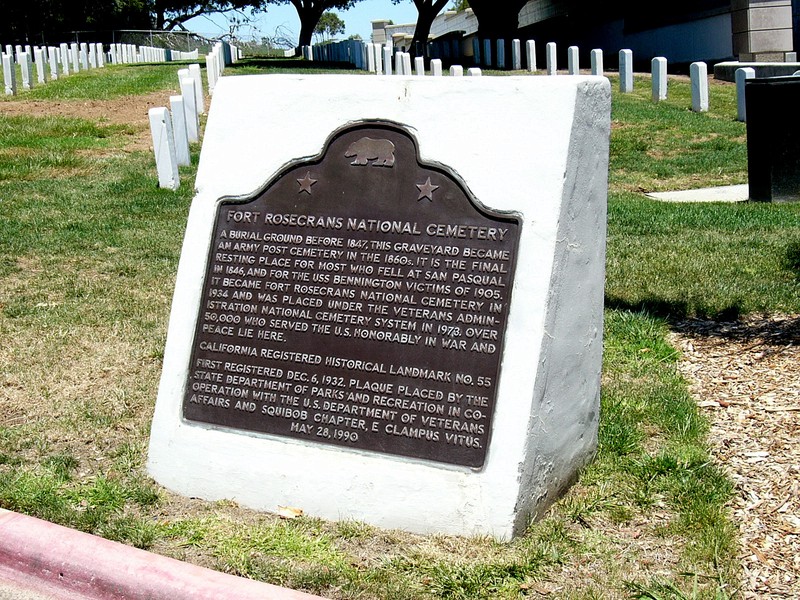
<point>426,190</point>
<point>306,183</point>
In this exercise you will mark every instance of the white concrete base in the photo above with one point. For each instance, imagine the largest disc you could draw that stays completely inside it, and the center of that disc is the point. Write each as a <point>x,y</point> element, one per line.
<point>726,193</point>
<point>547,407</point>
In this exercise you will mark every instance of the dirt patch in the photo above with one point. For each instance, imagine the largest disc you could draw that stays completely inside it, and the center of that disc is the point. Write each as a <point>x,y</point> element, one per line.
<point>746,379</point>
<point>125,110</point>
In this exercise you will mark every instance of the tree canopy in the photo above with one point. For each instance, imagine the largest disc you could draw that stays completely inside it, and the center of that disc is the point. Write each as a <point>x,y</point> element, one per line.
<point>329,25</point>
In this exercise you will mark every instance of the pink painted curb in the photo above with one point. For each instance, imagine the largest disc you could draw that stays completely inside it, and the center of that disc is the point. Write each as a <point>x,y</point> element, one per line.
<point>70,564</point>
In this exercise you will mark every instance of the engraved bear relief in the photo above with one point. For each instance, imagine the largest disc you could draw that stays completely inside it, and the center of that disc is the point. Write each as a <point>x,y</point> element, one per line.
<point>367,149</point>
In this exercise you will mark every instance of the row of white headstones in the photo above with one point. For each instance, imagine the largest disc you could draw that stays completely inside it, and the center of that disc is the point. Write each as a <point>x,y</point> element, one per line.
<point>384,60</point>
<point>52,62</point>
<point>175,128</point>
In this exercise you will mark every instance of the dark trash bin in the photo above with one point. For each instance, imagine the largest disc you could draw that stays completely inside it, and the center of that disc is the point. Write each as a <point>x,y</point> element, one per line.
<point>773,138</point>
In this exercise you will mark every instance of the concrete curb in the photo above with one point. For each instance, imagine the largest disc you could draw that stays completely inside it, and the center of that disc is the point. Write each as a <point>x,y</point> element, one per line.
<point>58,561</point>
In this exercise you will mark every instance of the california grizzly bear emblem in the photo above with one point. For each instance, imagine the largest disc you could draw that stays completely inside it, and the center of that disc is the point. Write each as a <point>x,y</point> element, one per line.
<point>367,149</point>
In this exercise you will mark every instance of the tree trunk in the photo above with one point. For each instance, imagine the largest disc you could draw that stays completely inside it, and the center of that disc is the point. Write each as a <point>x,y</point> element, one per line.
<point>426,13</point>
<point>310,13</point>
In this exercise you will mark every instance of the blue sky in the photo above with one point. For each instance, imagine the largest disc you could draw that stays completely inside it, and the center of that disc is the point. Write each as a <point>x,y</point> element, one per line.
<point>357,19</point>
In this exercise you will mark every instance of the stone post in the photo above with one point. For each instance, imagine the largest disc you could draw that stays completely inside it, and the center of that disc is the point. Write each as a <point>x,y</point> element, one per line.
<point>573,61</point>
<point>699,75</point>
<point>516,55</point>
<point>626,71</point>
<point>742,75</point>
<point>179,131</point>
<point>419,66</point>
<point>530,49</point>
<point>457,71</point>
<point>436,67</point>
<point>552,60</point>
<point>659,78</point>
<point>597,62</point>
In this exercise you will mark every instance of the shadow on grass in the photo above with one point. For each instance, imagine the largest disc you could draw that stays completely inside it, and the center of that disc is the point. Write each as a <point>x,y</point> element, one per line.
<point>674,311</point>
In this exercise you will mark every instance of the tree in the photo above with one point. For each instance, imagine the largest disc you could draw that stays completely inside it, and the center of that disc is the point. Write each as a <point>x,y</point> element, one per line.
<point>328,26</point>
<point>310,12</point>
<point>426,13</point>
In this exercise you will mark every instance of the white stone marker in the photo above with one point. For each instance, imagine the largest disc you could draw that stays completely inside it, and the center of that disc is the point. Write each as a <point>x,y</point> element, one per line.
<point>530,49</point>
<point>407,63</point>
<point>26,70</point>
<point>9,75</point>
<point>378,49</point>
<point>387,60</point>
<point>199,98</point>
<point>546,400</point>
<point>625,71</point>
<point>179,131</point>
<point>419,66</point>
<point>53,60</point>
<point>84,54</point>
<point>41,66</point>
<point>573,61</point>
<point>190,109</point>
<point>457,71</point>
<point>501,54</point>
<point>76,60</point>
<point>552,60</point>
<point>371,58</point>
<point>597,62</point>
<point>101,56</point>
<point>164,148</point>
<point>398,63</point>
<point>516,55</point>
<point>64,49</point>
<point>474,72</point>
<point>92,52</point>
<point>184,72</point>
<point>698,72</point>
<point>436,67</point>
<point>211,72</point>
<point>741,76</point>
<point>658,68</point>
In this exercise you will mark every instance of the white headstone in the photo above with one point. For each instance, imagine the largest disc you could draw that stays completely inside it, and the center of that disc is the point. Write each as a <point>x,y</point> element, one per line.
<point>64,49</point>
<point>179,131</point>
<point>76,59</point>
<point>698,72</point>
<point>387,60</point>
<point>378,50</point>
<point>436,67</point>
<point>41,66</point>
<point>625,71</point>
<point>398,63</point>
<point>190,108</point>
<point>530,49</point>
<point>92,53</point>
<point>573,61</point>
<point>164,148</point>
<point>742,75</point>
<point>474,72</point>
<point>534,421</point>
<point>101,60</point>
<point>199,99</point>
<point>26,70</point>
<point>552,59</point>
<point>597,62</point>
<point>53,61</point>
<point>84,54</point>
<point>211,72</point>
<point>9,74</point>
<point>501,54</point>
<point>419,66</point>
<point>516,55</point>
<point>457,71</point>
<point>371,58</point>
<point>659,78</point>
<point>407,63</point>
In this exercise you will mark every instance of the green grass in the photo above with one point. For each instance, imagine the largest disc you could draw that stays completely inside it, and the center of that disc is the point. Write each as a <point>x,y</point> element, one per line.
<point>88,252</point>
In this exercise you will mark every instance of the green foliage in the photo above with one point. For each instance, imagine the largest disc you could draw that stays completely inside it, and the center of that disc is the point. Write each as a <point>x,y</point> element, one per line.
<point>328,26</point>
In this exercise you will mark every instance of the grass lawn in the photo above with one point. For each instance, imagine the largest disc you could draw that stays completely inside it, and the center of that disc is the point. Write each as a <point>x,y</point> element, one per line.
<point>88,253</point>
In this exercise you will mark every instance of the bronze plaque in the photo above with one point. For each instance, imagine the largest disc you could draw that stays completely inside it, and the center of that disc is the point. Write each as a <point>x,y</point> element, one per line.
<point>359,300</point>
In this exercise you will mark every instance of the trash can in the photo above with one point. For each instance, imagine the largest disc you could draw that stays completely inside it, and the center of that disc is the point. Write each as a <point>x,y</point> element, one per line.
<point>773,138</point>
